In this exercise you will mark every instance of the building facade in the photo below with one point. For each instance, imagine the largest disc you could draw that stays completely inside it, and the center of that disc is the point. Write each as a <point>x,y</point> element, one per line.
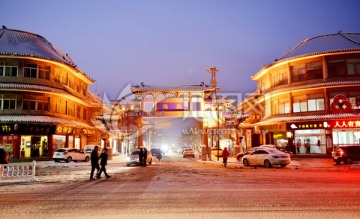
<point>308,101</point>
<point>45,103</point>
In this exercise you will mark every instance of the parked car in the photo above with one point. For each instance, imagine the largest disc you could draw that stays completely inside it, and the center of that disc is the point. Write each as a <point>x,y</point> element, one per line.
<point>70,154</point>
<point>133,158</point>
<point>189,153</point>
<point>266,157</point>
<point>346,154</point>
<point>240,155</point>
<point>156,152</point>
<point>89,148</point>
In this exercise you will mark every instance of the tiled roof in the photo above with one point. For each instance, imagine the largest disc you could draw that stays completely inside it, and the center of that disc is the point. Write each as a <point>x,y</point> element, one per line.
<point>304,118</point>
<point>35,87</point>
<point>40,119</point>
<point>315,85</point>
<point>339,42</point>
<point>15,42</point>
<point>31,87</point>
<point>21,43</point>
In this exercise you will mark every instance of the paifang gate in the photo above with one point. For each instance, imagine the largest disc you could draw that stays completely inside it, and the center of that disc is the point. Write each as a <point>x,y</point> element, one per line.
<point>134,118</point>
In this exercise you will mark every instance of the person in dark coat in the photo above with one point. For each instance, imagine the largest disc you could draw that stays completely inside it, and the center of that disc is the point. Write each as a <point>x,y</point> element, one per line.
<point>3,157</point>
<point>144,157</point>
<point>94,161</point>
<point>141,157</point>
<point>103,163</point>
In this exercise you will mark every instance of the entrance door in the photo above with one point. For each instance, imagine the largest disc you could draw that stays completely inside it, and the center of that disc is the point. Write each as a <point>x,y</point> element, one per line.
<point>35,146</point>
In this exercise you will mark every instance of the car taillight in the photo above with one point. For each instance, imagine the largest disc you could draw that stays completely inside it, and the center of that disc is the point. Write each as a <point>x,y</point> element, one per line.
<point>341,152</point>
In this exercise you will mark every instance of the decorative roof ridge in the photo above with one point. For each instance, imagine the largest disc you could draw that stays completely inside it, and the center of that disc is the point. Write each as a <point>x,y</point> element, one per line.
<point>41,87</point>
<point>348,38</point>
<point>315,53</point>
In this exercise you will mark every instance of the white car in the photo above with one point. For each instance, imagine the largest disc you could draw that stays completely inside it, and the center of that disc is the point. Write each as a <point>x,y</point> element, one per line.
<point>266,156</point>
<point>70,154</point>
<point>134,158</point>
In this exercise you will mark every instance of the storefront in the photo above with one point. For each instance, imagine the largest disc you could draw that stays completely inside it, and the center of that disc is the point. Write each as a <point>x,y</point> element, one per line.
<point>310,137</point>
<point>345,131</point>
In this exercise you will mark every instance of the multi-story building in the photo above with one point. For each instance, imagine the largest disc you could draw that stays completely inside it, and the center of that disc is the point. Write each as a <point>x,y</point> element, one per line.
<point>308,97</point>
<point>45,103</point>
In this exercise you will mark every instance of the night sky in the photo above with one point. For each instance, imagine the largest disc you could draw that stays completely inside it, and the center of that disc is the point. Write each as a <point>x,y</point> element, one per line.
<point>173,42</point>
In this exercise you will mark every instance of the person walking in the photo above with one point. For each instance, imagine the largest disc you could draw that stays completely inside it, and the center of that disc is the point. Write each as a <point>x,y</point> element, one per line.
<point>144,157</point>
<point>225,156</point>
<point>94,161</point>
<point>104,157</point>
<point>141,156</point>
<point>298,146</point>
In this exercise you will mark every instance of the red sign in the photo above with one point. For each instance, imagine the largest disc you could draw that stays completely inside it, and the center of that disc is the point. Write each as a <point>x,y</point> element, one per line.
<point>346,124</point>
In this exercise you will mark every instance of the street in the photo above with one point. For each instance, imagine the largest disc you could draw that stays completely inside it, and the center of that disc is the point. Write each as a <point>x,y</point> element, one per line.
<point>180,187</point>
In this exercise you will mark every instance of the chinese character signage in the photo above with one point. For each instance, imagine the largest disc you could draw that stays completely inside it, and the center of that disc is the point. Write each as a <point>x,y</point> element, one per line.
<point>345,124</point>
<point>172,106</point>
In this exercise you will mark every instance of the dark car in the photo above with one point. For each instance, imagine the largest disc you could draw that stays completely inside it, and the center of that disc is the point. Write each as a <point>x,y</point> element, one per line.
<point>241,154</point>
<point>156,152</point>
<point>346,154</point>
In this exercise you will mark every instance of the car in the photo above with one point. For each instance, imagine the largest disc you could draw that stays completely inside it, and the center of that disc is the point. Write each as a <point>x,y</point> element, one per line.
<point>189,153</point>
<point>89,148</point>
<point>156,152</point>
<point>346,154</point>
<point>240,155</point>
<point>266,157</point>
<point>70,154</point>
<point>133,158</point>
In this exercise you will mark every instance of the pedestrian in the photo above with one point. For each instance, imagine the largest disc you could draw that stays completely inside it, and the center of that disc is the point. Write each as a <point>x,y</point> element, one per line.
<point>94,162</point>
<point>103,163</point>
<point>225,156</point>
<point>307,145</point>
<point>3,157</point>
<point>298,145</point>
<point>144,157</point>
<point>141,156</point>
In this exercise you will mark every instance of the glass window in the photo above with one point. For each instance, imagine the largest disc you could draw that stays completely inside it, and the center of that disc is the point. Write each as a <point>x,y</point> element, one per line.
<point>44,72</point>
<point>9,104</point>
<point>9,69</point>
<point>30,71</point>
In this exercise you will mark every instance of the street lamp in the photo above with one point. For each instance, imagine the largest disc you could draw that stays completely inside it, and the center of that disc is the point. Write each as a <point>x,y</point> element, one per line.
<point>213,71</point>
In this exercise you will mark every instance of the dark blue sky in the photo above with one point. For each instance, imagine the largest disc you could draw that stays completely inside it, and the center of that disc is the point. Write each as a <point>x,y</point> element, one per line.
<point>172,42</point>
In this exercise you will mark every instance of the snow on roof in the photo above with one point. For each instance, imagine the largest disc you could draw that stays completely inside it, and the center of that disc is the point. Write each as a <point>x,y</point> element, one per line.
<point>339,42</point>
<point>21,43</point>
<point>17,42</point>
<point>40,119</point>
<point>31,86</point>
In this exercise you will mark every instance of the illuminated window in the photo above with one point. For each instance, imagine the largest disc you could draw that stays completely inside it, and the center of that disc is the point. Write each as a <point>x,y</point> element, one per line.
<point>312,102</point>
<point>308,71</point>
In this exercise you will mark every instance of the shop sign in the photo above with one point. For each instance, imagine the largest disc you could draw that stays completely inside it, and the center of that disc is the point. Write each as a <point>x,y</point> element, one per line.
<point>66,130</point>
<point>346,124</point>
<point>172,106</point>
<point>26,129</point>
<point>305,125</point>
<point>9,138</point>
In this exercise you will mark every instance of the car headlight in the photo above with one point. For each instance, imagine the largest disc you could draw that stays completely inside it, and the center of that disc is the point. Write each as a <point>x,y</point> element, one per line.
<point>128,159</point>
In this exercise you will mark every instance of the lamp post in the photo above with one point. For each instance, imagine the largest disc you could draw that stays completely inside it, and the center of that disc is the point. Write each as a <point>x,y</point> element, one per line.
<point>213,71</point>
